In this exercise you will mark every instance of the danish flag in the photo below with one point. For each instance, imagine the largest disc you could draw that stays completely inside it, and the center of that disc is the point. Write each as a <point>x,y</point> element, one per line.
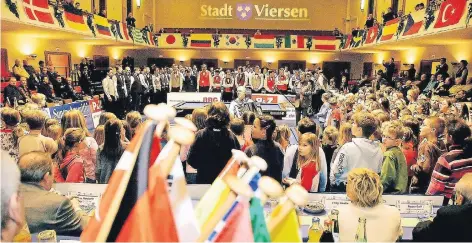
<point>38,10</point>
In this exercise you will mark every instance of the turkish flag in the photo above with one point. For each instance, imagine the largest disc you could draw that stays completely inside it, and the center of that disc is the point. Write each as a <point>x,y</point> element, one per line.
<point>450,13</point>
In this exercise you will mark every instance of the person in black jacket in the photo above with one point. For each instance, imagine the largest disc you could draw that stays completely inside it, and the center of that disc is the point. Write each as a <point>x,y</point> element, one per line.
<point>390,15</point>
<point>85,81</point>
<point>266,148</point>
<point>45,89</point>
<point>412,72</point>
<point>68,92</point>
<point>12,94</point>
<point>452,223</point>
<point>442,68</point>
<point>212,147</point>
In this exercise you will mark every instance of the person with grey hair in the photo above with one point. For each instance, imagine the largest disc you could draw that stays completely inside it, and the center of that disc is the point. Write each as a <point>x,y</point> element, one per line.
<point>13,217</point>
<point>452,223</point>
<point>46,210</point>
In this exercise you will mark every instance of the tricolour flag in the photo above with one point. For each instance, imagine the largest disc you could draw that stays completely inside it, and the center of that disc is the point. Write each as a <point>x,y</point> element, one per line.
<point>38,10</point>
<point>151,38</point>
<point>414,22</point>
<point>258,223</point>
<point>102,25</point>
<point>327,43</point>
<point>75,21</point>
<point>390,29</point>
<point>200,40</point>
<point>347,41</point>
<point>233,41</point>
<point>288,230</point>
<point>372,35</point>
<point>170,41</point>
<point>238,224</point>
<point>450,13</point>
<point>294,42</point>
<point>137,36</point>
<point>264,41</point>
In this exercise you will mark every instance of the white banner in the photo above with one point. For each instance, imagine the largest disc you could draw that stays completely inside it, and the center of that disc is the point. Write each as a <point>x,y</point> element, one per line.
<point>175,98</point>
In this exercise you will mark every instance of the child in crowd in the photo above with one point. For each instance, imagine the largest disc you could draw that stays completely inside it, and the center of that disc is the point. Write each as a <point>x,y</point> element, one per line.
<point>71,164</point>
<point>99,135</point>
<point>394,174</point>
<point>54,132</point>
<point>329,145</point>
<point>237,127</point>
<point>134,120</point>
<point>282,136</point>
<point>409,149</point>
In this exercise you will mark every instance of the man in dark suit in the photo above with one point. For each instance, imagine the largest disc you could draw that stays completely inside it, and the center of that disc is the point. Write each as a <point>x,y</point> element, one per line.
<point>442,68</point>
<point>390,70</point>
<point>46,210</point>
<point>452,223</point>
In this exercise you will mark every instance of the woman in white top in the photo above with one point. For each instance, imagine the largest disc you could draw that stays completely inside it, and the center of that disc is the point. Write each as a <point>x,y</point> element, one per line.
<point>383,223</point>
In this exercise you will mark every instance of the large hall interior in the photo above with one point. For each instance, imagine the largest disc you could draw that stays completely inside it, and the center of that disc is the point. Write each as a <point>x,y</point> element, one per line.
<point>231,121</point>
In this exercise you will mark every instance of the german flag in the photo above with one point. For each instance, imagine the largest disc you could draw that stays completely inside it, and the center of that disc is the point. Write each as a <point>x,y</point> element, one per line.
<point>75,21</point>
<point>201,40</point>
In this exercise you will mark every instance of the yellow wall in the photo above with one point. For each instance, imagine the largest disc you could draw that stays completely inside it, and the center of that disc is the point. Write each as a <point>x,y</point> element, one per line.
<point>322,14</point>
<point>85,5</point>
<point>146,14</point>
<point>114,10</point>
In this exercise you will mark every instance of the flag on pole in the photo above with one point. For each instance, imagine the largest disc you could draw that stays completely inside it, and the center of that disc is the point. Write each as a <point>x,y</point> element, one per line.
<point>414,22</point>
<point>264,41</point>
<point>237,227</point>
<point>294,42</point>
<point>327,43</point>
<point>102,25</point>
<point>200,40</point>
<point>288,230</point>
<point>450,13</point>
<point>38,10</point>
<point>258,223</point>
<point>75,21</point>
<point>372,35</point>
<point>390,29</point>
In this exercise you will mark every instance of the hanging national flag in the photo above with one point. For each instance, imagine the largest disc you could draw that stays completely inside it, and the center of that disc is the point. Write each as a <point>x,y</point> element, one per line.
<point>137,36</point>
<point>233,41</point>
<point>347,41</point>
<point>170,41</point>
<point>414,22</point>
<point>327,43</point>
<point>390,29</point>
<point>200,40</point>
<point>124,190</point>
<point>288,230</point>
<point>151,38</point>
<point>38,10</point>
<point>258,223</point>
<point>264,41</point>
<point>356,41</point>
<point>75,21</point>
<point>294,42</point>
<point>372,35</point>
<point>238,224</point>
<point>124,28</point>
<point>102,25</point>
<point>450,13</point>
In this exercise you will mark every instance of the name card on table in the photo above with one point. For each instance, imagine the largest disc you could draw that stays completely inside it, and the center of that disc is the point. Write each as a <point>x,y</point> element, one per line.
<point>422,207</point>
<point>333,202</point>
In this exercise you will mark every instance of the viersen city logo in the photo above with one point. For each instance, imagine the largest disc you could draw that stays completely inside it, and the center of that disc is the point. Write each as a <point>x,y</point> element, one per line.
<point>246,11</point>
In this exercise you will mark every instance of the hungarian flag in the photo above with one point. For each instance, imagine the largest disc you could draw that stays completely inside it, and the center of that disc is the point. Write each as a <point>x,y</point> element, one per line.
<point>238,224</point>
<point>326,43</point>
<point>294,42</point>
<point>75,21</point>
<point>170,41</point>
<point>264,41</point>
<point>288,230</point>
<point>390,29</point>
<point>450,13</point>
<point>200,40</point>
<point>372,35</point>
<point>347,41</point>
<point>414,22</point>
<point>38,10</point>
<point>102,25</point>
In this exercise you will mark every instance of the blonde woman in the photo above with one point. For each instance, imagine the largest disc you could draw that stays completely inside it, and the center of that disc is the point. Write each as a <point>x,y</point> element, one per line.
<point>329,145</point>
<point>282,136</point>
<point>345,136</point>
<point>308,163</point>
<point>364,190</point>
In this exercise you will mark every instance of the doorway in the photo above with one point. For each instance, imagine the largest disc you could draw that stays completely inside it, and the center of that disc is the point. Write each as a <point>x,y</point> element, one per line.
<point>335,69</point>
<point>61,61</point>
<point>211,63</point>
<point>245,62</point>
<point>292,65</point>
<point>368,69</point>
<point>160,62</point>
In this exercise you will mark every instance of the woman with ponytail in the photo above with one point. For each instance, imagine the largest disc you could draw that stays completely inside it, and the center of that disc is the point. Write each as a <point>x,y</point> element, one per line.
<point>71,163</point>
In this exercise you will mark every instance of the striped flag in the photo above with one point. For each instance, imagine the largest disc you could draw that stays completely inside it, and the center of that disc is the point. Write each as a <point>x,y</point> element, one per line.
<point>372,35</point>
<point>75,21</point>
<point>390,29</point>
<point>288,230</point>
<point>137,36</point>
<point>38,10</point>
<point>151,38</point>
<point>200,40</point>
<point>125,32</point>
<point>264,41</point>
<point>237,224</point>
<point>170,41</point>
<point>414,22</point>
<point>327,43</point>
<point>356,41</point>
<point>102,25</point>
<point>347,41</point>
<point>294,42</point>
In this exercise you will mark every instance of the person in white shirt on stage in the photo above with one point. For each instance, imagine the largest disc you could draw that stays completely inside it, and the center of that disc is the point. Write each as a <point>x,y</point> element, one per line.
<point>236,106</point>
<point>269,82</point>
<point>282,82</point>
<point>256,80</point>
<point>155,89</point>
<point>110,90</point>
<point>176,80</point>
<point>228,85</point>
<point>294,80</point>
<point>204,80</point>
<point>217,80</point>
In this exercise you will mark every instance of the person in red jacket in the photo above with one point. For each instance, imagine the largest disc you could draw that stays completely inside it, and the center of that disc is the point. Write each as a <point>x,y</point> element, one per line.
<point>71,164</point>
<point>308,163</point>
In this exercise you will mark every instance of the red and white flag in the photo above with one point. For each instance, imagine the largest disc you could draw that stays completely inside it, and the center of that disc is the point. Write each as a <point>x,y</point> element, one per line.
<point>38,10</point>
<point>372,35</point>
<point>238,226</point>
<point>450,13</point>
<point>327,43</point>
